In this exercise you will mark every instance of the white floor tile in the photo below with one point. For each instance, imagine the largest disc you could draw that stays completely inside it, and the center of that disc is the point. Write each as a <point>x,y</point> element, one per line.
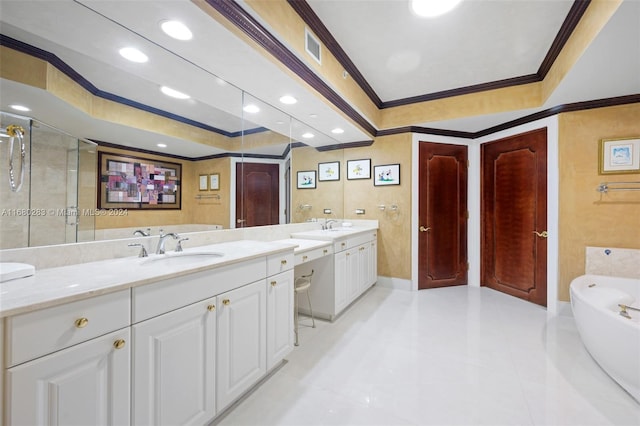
<point>450,356</point>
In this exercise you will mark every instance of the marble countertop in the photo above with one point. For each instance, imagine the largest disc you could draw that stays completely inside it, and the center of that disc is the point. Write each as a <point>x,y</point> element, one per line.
<point>302,245</point>
<point>54,286</point>
<point>337,233</point>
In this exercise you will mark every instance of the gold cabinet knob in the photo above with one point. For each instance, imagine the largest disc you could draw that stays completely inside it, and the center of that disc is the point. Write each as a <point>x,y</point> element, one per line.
<point>423,229</point>
<point>211,308</point>
<point>226,302</point>
<point>283,262</point>
<point>304,258</point>
<point>273,283</point>
<point>343,244</point>
<point>543,234</point>
<point>119,344</point>
<point>81,322</point>
<point>325,251</point>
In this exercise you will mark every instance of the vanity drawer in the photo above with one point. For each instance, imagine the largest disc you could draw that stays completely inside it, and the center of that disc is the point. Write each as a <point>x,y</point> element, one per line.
<point>310,255</point>
<point>38,333</point>
<point>163,296</point>
<point>280,262</point>
<point>354,241</point>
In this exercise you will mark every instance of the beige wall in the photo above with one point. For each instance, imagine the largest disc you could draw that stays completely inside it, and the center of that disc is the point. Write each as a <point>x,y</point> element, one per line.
<point>205,211</point>
<point>587,217</point>
<point>345,196</point>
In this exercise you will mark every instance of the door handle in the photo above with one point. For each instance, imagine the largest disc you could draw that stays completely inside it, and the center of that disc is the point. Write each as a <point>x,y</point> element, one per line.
<point>423,229</point>
<point>543,234</point>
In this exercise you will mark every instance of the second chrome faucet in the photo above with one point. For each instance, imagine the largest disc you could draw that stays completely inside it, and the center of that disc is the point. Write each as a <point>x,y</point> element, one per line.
<point>163,237</point>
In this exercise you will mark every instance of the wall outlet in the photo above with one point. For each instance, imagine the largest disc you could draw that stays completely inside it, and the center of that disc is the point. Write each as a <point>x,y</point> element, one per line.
<point>359,211</point>
<point>327,211</point>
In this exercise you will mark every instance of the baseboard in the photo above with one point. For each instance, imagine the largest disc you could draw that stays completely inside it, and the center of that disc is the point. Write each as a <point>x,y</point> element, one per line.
<point>394,283</point>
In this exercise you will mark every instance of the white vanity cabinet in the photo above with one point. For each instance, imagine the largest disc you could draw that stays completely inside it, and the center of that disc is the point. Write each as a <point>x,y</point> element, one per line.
<point>242,337</point>
<point>174,367</point>
<point>350,271</point>
<point>280,334</point>
<point>70,364</point>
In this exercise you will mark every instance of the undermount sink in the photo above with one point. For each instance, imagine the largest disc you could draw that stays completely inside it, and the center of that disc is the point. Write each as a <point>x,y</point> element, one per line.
<point>180,259</point>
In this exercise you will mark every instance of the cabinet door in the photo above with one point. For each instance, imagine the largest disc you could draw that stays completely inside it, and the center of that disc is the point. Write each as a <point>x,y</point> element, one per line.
<point>241,347</point>
<point>279,317</point>
<point>174,367</point>
<point>363,268</point>
<point>373,263</point>
<point>353,274</point>
<point>341,281</point>
<point>87,384</point>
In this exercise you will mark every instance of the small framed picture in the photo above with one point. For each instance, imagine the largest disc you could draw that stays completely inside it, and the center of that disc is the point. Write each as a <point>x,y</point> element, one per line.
<point>307,179</point>
<point>619,156</point>
<point>329,171</point>
<point>204,182</point>
<point>359,169</point>
<point>214,182</point>
<point>387,174</point>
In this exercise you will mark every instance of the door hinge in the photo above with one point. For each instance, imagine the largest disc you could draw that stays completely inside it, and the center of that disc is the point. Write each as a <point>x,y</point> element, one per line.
<point>466,214</point>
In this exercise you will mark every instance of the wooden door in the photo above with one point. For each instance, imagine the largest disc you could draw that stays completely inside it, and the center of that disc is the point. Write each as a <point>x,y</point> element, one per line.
<point>442,215</point>
<point>257,194</point>
<point>514,215</point>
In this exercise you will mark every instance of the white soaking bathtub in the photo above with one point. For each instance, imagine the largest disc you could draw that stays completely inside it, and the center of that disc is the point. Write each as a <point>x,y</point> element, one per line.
<point>612,339</point>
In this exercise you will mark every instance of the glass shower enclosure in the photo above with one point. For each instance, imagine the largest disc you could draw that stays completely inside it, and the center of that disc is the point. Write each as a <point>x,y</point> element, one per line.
<point>58,192</point>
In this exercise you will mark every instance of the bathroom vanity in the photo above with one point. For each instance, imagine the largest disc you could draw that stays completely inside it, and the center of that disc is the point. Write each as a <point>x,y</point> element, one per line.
<point>158,340</point>
<point>345,270</point>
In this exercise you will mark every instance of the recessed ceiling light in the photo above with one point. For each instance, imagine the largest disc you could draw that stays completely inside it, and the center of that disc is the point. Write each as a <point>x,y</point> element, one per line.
<point>288,99</point>
<point>251,108</point>
<point>307,135</point>
<point>431,8</point>
<point>279,122</point>
<point>177,30</point>
<point>161,145</point>
<point>20,108</point>
<point>337,131</point>
<point>313,115</point>
<point>134,55</point>
<point>174,93</point>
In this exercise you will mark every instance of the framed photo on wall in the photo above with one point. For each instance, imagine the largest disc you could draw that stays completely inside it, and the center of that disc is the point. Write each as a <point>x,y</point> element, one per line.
<point>329,171</point>
<point>306,179</point>
<point>214,182</point>
<point>387,174</point>
<point>619,156</point>
<point>128,182</point>
<point>359,169</point>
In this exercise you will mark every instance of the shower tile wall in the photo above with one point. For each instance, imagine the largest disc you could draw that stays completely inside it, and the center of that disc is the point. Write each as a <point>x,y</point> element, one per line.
<point>616,262</point>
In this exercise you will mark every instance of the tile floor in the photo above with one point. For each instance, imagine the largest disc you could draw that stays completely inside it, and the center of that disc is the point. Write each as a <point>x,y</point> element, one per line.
<point>451,356</point>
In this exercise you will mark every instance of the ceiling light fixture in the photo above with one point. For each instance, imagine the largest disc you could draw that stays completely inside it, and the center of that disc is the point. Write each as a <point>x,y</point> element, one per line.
<point>432,8</point>
<point>177,30</point>
<point>307,135</point>
<point>174,93</point>
<point>134,55</point>
<point>161,145</point>
<point>20,108</point>
<point>288,99</point>
<point>251,109</point>
<point>337,131</point>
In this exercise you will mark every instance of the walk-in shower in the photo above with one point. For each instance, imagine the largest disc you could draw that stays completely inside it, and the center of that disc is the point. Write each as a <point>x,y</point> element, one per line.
<point>46,177</point>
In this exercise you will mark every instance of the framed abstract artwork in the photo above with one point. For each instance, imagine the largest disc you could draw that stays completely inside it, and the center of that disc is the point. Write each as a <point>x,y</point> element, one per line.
<point>128,182</point>
<point>306,179</point>
<point>359,169</point>
<point>329,171</point>
<point>387,174</point>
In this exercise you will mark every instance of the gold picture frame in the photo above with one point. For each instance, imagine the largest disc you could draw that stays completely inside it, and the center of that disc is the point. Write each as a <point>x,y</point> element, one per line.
<point>619,156</point>
<point>214,182</point>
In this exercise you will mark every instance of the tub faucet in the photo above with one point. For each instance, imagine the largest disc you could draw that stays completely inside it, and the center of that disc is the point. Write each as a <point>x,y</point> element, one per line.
<point>160,249</point>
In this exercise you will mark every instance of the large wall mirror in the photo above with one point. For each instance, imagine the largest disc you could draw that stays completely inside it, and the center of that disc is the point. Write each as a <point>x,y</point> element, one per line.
<point>62,60</point>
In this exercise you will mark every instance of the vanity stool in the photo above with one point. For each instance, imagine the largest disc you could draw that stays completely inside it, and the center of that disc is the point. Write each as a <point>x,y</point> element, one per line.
<point>302,284</point>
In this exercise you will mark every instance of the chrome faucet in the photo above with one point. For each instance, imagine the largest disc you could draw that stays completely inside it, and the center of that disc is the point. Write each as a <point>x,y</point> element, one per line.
<point>160,249</point>
<point>142,233</point>
<point>328,224</point>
